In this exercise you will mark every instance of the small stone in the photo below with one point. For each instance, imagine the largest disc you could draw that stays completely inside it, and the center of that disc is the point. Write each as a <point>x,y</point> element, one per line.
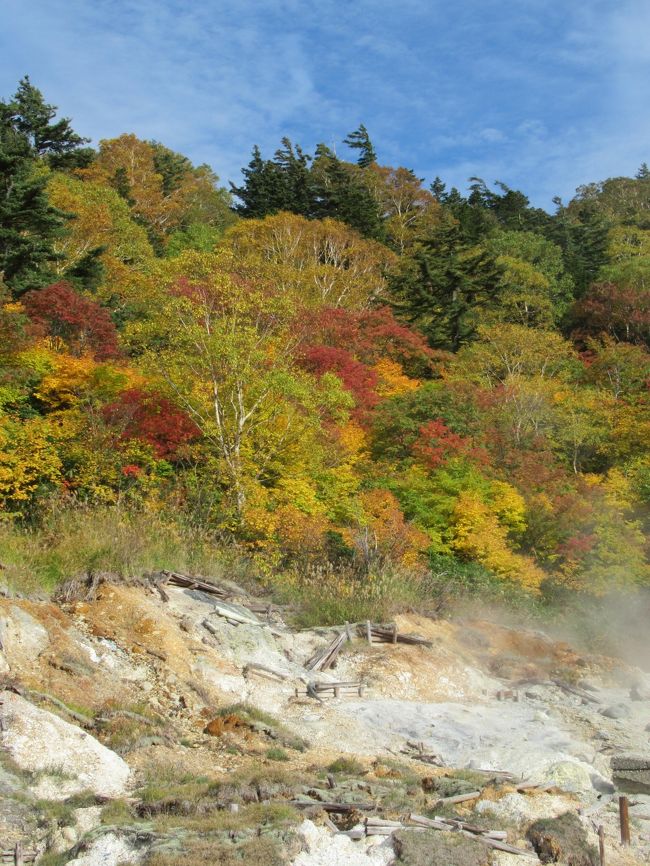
<point>616,711</point>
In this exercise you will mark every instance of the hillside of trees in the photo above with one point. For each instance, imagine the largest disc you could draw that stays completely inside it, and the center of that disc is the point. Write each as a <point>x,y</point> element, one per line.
<point>349,374</point>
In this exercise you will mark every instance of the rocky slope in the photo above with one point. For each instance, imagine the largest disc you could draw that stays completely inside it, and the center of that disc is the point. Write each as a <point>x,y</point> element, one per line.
<point>134,730</point>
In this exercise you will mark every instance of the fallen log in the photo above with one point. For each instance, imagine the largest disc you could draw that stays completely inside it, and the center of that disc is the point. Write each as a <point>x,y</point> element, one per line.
<point>263,671</point>
<point>352,834</point>
<point>342,808</point>
<point>437,824</point>
<point>499,835</point>
<point>382,827</point>
<point>85,721</point>
<point>183,580</point>
<point>459,798</point>
<point>325,657</point>
<point>573,690</point>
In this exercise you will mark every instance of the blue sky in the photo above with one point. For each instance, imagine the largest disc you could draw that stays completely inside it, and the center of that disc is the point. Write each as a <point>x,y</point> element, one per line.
<point>541,94</point>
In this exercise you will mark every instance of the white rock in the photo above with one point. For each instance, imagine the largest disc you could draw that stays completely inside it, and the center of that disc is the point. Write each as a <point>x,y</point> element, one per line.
<point>70,760</point>
<point>22,637</point>
<point>569,776</point>
<point>108,850</point>
<point>322,848</point>
<point>523,807</point>
<point>87,818</point>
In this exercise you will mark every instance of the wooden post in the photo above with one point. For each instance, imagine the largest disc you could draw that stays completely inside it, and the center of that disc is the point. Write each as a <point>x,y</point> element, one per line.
<point>368,632</point>
<point>625,820</point>
<point>348,631</point>
<point>394,632</point>
<point>601,844</point>
<point>18,854</point>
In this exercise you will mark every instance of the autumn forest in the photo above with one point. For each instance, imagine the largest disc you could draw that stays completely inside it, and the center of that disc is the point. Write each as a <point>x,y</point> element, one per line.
<point>367,385</point>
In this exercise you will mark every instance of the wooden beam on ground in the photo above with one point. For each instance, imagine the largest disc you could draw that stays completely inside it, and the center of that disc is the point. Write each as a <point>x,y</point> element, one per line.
<point>325,657</point>
<point>342,808</point>
<point>263,671</point>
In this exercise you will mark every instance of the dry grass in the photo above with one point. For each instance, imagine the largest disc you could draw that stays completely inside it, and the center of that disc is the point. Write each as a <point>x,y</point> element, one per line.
<point>214,852</point>
<point>76,541</point>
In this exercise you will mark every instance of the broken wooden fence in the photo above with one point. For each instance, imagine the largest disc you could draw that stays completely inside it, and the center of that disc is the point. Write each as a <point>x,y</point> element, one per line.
<point>375,633</point>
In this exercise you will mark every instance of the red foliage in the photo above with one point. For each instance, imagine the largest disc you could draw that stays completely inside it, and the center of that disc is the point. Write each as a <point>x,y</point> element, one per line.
<point>370,336</point>
<point>85,326</point>
<point>131,470</point>
<point>153,419</point>
<point>623,312</point>
<point>359,380</point>
<point>437,443</point>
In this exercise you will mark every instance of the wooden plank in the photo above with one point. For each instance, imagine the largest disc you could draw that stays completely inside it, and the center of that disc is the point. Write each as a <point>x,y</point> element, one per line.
<point>255,668</point>
<point>486,840</point>
<point>459,798</point>
<point>342,808</point>
<point>325,657</point>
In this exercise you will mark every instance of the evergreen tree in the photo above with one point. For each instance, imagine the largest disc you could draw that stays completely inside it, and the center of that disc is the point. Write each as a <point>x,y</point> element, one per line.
<point>263,191</point>
<point>28,224</point>
<point>87,274</point>
<point>445,285</point>
<point>341,193</point>
<point>293,167</point>
<point>360,140</point>
<point>56,142</point>
<point>582,236</point>
<point>643,173</point>
<point>439,189</point>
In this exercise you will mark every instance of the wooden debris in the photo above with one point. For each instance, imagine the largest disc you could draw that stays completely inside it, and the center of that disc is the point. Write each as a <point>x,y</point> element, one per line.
<point>325,658</point>
<point>503,775</point>
<point>486,839</point>
<point>352,834</point>
<point>263,671</point>
<point>85,721</point>
<point>382,826</point>
<point>417,751</point>
<point>336,690</point>
<point>341,808</point>
<point>499,835</point>
<point>18,855</point>
<point>574,690</point>
<point>389,634</point>
<point>508,695</point>
<point>459,798</point>
<point>176,579</point>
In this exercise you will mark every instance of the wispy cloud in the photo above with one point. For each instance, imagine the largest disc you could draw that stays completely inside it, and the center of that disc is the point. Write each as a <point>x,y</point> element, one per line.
<point>542,96</point>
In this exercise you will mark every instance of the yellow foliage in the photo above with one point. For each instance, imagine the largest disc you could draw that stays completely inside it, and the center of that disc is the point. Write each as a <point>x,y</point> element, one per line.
<point>28,460</point>
<point>354,439</point>
<point>478,535</point>
<point>64,385</point>
<point>392,379</point>
<point>509,506</point>
<point>300,535</point>
<point>383,531</point>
